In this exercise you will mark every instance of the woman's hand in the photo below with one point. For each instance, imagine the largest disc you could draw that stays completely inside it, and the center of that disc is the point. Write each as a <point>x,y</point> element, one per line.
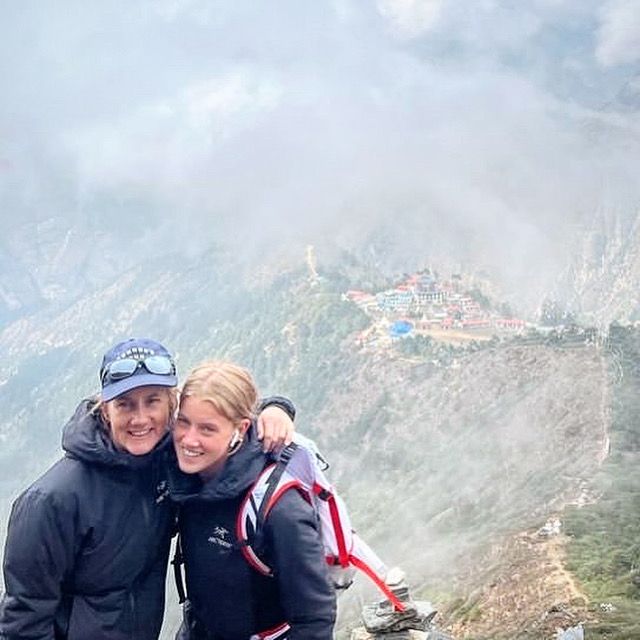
<point>275,428</point>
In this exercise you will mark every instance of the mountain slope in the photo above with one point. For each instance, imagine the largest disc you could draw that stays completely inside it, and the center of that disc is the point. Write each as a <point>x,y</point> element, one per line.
<point>442,465</point>
<point>443,460</point>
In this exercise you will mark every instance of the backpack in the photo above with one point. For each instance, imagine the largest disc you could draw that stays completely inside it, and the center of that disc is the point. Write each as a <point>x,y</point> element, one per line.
<point>300,466</point>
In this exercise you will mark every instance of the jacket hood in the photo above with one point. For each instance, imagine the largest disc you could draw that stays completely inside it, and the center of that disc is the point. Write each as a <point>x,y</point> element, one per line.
<point>84,438</point>
<point>238,474</point>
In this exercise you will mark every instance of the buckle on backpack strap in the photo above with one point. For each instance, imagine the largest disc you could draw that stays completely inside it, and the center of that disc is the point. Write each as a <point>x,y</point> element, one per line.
<point>286,454</point>
<point>323,494</point>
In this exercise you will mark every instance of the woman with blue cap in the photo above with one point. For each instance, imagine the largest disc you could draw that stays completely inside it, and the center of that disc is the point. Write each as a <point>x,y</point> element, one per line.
<point>87,543</point>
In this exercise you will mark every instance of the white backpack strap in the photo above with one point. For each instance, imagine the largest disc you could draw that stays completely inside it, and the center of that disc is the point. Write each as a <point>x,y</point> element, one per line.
<point>260,499</point>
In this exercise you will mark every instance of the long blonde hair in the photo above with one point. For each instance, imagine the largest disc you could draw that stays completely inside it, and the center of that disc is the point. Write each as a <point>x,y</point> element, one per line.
<point>228,387</point>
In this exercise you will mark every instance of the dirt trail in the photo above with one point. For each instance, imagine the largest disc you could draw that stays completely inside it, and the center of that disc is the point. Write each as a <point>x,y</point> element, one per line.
<point>532,592</point>
<point>556,549</point>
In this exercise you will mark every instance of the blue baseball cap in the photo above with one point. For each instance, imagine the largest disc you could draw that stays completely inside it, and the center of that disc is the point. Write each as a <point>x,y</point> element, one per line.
<point>133,363</point>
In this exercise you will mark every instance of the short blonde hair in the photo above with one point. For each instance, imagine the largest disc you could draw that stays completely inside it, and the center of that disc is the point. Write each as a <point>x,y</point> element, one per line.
<point>228,387</point>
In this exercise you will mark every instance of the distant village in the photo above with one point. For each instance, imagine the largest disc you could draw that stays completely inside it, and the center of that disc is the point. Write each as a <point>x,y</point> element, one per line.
<point>424,305</point>
<point>454,311</point>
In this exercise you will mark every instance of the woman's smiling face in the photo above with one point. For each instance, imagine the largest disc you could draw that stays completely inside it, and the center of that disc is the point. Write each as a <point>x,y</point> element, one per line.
<point>138,419</point>
<point>202,436</point>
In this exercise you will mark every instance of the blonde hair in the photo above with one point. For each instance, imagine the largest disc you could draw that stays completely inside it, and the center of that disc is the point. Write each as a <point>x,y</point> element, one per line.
<point>228,387</point>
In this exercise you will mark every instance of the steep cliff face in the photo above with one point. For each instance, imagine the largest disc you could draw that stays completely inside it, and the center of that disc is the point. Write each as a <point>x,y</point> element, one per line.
<point>49,263</point>
<point>603,273</point>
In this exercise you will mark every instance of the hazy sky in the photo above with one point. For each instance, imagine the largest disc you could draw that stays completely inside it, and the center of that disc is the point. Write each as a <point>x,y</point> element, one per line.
<point>482,127</point>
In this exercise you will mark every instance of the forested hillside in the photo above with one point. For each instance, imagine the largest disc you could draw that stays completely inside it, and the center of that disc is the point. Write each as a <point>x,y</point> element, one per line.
<point>604,551</point>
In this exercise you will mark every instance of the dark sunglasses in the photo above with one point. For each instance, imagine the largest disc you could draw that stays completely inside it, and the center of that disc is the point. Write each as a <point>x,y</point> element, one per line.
<point>127,367</point>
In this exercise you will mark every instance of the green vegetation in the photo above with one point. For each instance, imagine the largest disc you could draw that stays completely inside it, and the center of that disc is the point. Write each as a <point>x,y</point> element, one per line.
<point>605,550</point>
<point>292,339</point>
<point>465,610</point>
<point>416,346</point>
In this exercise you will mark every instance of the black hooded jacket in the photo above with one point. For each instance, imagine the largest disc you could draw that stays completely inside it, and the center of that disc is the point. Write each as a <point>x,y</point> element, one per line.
<point>87,544</point>
<point>230,600</point>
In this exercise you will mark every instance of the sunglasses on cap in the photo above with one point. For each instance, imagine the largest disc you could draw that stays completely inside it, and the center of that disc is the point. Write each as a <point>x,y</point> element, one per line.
<point>127,367</point>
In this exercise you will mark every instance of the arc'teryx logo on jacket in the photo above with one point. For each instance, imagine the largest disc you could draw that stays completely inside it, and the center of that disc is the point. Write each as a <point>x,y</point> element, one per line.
<point>162,491</point>
<point>221,537</point>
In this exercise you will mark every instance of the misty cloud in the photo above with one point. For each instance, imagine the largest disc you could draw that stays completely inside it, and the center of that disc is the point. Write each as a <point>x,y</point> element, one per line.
<point>488,129</point>
<point>619,33</point>
<point>411,17</point>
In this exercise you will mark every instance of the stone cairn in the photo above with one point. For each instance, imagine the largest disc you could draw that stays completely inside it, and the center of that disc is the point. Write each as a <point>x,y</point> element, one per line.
<point>383,622</point>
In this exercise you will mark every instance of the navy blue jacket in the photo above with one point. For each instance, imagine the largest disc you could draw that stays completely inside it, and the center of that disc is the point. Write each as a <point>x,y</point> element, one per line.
<point>87,545</point>
<point>229,598</point>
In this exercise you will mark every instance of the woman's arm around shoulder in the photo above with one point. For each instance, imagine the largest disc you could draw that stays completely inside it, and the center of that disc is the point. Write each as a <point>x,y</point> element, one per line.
<point>308,598</point>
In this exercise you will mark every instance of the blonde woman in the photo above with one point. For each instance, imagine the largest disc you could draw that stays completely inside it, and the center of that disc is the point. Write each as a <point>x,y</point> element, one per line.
<point>218,459</point>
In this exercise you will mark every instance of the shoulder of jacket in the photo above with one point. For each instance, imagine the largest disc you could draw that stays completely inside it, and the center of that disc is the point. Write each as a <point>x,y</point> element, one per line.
<point>65,478</point>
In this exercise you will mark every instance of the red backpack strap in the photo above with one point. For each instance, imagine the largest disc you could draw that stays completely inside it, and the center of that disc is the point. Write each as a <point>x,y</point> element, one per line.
<point>326,495</point>
<point>379,582</point>
<point>272,634</point>
<point>345,558</point>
